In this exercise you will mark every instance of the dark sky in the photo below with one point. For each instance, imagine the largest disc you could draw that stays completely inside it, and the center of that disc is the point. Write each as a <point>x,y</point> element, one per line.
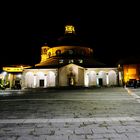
<point>113,31</point>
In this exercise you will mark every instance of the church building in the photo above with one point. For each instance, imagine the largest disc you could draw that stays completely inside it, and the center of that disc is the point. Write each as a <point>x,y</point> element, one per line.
<point>69,63</point>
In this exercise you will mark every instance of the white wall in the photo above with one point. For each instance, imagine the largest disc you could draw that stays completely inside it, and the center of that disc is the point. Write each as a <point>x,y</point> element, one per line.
<point>32,78</point>
<point>108,76</point>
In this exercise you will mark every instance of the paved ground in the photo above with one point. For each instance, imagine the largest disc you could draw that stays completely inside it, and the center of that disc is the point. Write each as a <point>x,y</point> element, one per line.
<point>80,114</point>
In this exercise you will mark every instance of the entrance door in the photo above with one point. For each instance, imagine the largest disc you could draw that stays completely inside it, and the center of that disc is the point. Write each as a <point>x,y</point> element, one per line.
<point>41,82</point>
<point>100,82</point>
<point>71,81</point>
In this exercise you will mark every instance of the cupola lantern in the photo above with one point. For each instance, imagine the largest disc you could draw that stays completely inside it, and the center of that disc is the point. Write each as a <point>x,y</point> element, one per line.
<point>69,29</point>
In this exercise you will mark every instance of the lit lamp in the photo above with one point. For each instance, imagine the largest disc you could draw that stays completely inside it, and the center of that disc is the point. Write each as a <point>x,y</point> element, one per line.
<point>34,80</point>
<point>45,80</point>
<point>4,77</point>
<point>107,79</point>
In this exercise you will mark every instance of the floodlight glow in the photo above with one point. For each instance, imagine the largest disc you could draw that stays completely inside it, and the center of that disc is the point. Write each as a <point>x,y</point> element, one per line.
<point>4,73</point>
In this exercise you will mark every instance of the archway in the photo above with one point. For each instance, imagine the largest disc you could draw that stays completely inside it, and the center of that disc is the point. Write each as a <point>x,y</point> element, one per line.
<point>40,79</point>
<point>102,78</point>
<point>29,80</point>
<point>71,79</point>
<point>51,78</point>
<point>112,76</point>
<point>92,78</point>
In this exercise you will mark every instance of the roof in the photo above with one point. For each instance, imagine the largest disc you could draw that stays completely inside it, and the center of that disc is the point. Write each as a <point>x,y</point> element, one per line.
<point>70,40</point>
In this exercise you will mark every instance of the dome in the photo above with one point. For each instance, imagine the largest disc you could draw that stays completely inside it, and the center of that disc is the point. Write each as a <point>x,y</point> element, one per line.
<point>68,49</point>
<point>70,40</point>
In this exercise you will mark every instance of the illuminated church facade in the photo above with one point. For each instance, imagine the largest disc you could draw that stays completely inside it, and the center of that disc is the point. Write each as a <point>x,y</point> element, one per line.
<point>69,63</point>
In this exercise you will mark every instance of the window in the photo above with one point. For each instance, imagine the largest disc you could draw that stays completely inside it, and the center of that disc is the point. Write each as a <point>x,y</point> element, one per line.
<point>49,54</point>
<point>58,52</point>
<point>80,60</point>
<point>61,61</point>
<point>71,61</point>
<point>45,50</point>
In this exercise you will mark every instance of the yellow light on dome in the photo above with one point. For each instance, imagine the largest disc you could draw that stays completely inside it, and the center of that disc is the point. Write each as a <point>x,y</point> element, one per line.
<point>69,29</point>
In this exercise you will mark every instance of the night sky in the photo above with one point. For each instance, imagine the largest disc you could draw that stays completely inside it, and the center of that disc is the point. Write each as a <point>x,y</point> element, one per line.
<point>112,31</point>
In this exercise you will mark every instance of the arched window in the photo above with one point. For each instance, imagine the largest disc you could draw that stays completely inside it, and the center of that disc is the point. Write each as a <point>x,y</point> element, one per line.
<point>49,54</point>
<point>58,52</point>
<point>45,50</point>
<point>92,78</point>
